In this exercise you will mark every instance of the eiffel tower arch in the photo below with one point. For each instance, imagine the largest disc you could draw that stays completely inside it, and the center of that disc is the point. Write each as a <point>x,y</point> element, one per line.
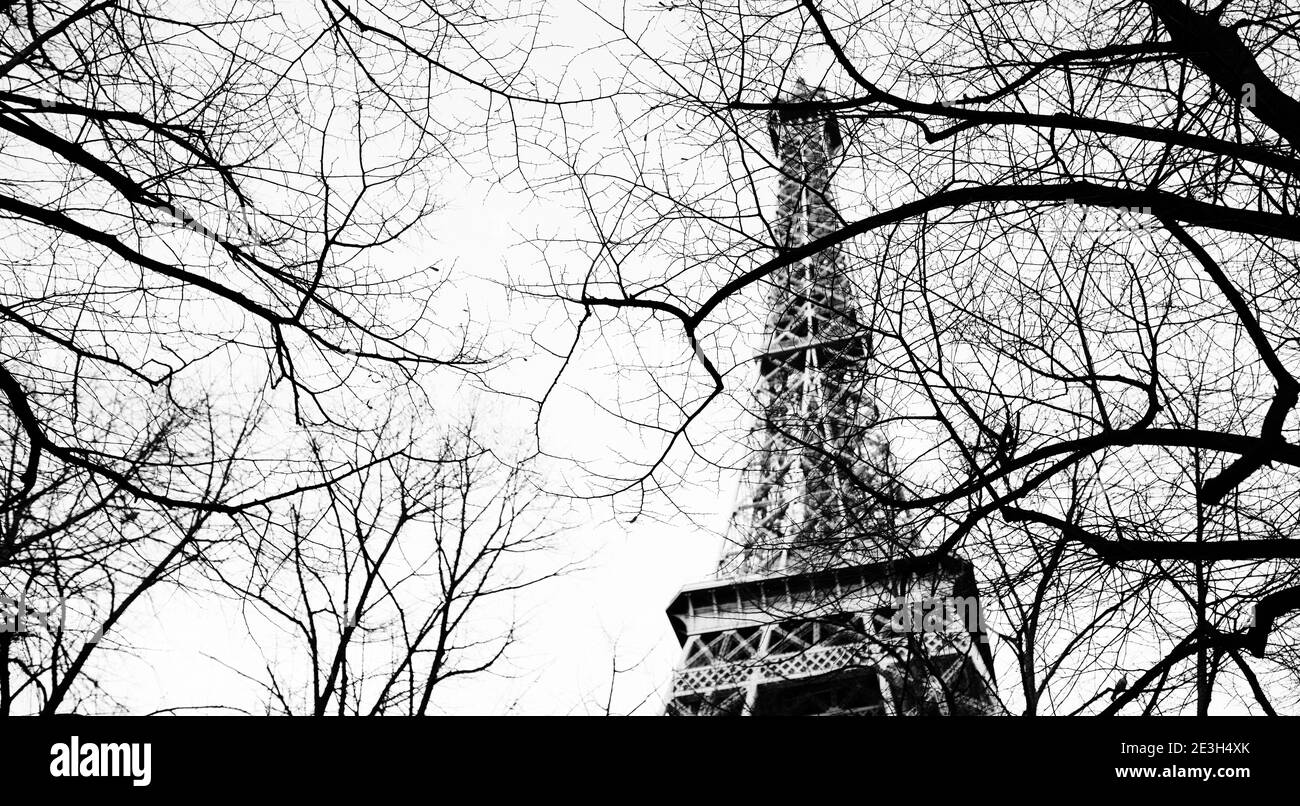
<point>824,606</point>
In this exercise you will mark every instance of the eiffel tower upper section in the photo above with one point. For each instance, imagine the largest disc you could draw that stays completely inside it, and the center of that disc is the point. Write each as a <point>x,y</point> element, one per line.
<point>804,616</point>
<point>821,465</point>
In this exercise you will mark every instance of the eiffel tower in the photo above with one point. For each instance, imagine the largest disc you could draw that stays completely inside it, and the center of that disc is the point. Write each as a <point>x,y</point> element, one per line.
<point>823,606</point>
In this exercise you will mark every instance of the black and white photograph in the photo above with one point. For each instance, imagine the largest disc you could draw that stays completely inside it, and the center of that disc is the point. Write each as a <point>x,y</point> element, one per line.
<point>448,361</point>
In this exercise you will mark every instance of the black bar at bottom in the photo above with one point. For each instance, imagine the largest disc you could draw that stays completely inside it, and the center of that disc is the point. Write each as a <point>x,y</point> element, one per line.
<point>618,759</point>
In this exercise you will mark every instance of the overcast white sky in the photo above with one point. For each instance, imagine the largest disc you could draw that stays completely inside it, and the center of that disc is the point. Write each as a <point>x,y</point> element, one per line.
<point>188,650</point>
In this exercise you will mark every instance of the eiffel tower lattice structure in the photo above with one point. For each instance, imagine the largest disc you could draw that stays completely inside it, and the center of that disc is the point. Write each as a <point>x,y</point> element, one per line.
<point>823,606</point>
